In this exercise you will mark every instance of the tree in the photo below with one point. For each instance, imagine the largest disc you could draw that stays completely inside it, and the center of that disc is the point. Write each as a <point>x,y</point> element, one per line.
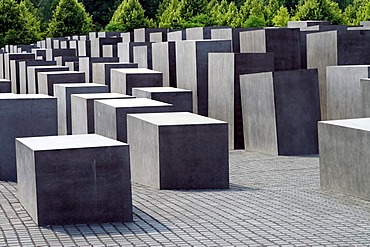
<point>271,11</point>
<point>231,15</point>
<point>170,18</point>
<point>70,18</point>
<point>188,9</point>
<point>254,8</point>
<point>319,10</point>
<point>281,18</point>
<point>254,21</point>
<point>31,30</point>
<point>129,15</point>
<point>355,12</point>
<point>150,7</point>
<point>101,11</point>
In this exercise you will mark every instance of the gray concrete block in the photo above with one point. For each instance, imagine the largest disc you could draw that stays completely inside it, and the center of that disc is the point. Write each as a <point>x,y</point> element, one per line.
<point>284,42</point>
<point>8,57</point>
<point>2,65</point>
<point>54,43</point>
<point>336,48</point>
<point>224,102</point>
<point>178,151</point>
<point>23,75</point>
<point>365,96</point>
<point>164,60</point>
<point>63,93</point>
<point>280,112</point>
<point>23,115</point>
<point>86,65</point>
<point>343,89</point>
<point>84,48</point>
<point>98,43</point>
<point>123,80</point>
<point>143,34</point>
<point>32,75</point>
<point>126,50</point>
<point>111,115</point>
<point>158,37</point>
<point>110,51</point>
<point>344,156</point>
<point>82,110</point>
<point>46,80</point>
<point>52,53</point>
<point>127,37</point>
<point>102,71</point>
<point>61,60</point>
<point>181,99</point>
<point>232,34</point>
<point>39,52</point>
<point>200,33</point>
<point>5,86</point>
<point>143,56</point>
<point>74,179</point>
<point>192,68</point>
<point>303,24</point>
<point>73,66</point>
<point>176,35</point>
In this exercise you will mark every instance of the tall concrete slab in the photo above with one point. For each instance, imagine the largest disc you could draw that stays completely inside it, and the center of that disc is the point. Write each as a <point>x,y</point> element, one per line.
<point>86,65</point>
<point>46,80</point>
<point>143,34</point>
<point>32,75</point>
<point>23,75</point>
<point>164,60</point>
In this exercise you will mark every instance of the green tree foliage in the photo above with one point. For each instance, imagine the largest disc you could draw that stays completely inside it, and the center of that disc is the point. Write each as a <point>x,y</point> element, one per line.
<point>282,17</point>
<point>101,11</point>
<point>188,9</point>
<point>18,24</point>
<point>70,18</point>
<point>355,12</point>
<point>254,9</point>
<point>129,15</point>
<point>319,10</point>
<point>271,11</point>
<point>170,17</point>
<point>150,7</point>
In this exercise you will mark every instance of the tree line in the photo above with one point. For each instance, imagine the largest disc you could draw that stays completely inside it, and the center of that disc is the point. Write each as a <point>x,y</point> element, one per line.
<point>28,21</point>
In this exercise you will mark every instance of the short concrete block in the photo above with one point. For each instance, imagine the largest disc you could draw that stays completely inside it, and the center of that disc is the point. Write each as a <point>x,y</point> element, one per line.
<point>344,156</point>
<point>178,151</point>
<point>82,110</point>
<point>123,80</point>
<point>111,115</point>
<point>5,86</point>
<point>74,179</point>
<point>46,80</point>
<point>181,99</point>
<point>23,75</point>
<point>32,75</point>
<point>23,115</point>
<point>63,93</point>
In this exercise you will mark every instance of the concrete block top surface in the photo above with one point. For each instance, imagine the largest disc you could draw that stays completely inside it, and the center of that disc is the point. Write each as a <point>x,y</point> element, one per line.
<point>82,84</point>
<point>48,67</point>
<point>62,72</point>
<point>130,103</point>
<point>45,143</point>
<point>161,89</point>
<point>348,66</point>
<point>4,80</point>
<point>24,96</point>
<point>137,71</point>
<point>356,123</point>
<point>102,95</point>
<point>176,118</point>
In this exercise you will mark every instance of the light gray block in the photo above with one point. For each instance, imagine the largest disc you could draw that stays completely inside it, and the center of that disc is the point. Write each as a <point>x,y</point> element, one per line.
<point>86,65</point>
<point>143,34</point>
<point>111,115</point>
<point>84,48</point>
<point>232,34</point>
<point>102,71</point>
<point>224,102</point>
<point>344,91</point>
<point>303,24</point>
<point>23,75</point>
<point>143,56</point>
<point>77,179</point>
<point>82,110</point>
<point>126,50</point>
<point>280,112</point>
<point>46,80</point>
<point>123,80</point>
<point>365,96</point>
<point>127,37</point>
<point>181,99</point>
<point>52,53</point>
<point>5,86</point>
<point>10,58</point>
<point>164,60</point>
<point>176,35</point>
<point>2,65</point>
<point>98,43</point>
<point>110,51</point>
<point>63,93</point>
<point>32,75</point>
<point>344,156</point>
<point>178,151</point>
<point>62,60</point>
<point>199,33</point>
<point>192,68</point>
<point>23,115</point>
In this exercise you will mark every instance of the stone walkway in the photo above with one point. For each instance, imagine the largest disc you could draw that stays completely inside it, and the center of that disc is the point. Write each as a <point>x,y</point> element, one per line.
<point>272,201</point>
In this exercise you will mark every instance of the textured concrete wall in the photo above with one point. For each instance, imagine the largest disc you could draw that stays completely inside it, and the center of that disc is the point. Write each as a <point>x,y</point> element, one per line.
<point>143,56</point>
<point>32,74</point>
<point>164,60</point>
<point>46,80</point>
<point>143,34</point>
<point>23,75</point>
<point>176,35</point>
<point>86,65</point>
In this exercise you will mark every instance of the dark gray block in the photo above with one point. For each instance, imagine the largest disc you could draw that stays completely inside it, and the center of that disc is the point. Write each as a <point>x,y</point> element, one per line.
<point>23,115</point>
<point>344,156</point>
<point>86,65</point>
<point>143,56</point>
<point>8,57</point>
<point>143,34</point>
<point>181,99</point>
<point>46,80</point>
<point>32,75</point>
<point>63,93</point>
<point>97,44</point>
<point>164,60</point>
<point>178,151</point>
<point>224,102</point>
<point>280,112</point>
<point>336,48</point>
<point>2,65</point>
<point>192,68</point>
<point>232,34</point>
<point>283,42</point>
<point>344,91</point>
<point>23,74</point>
<point>74,179</point>
<point>61,60</point>
<point>39,53</point>
<point>5,86</point>
<point>82,107</point>
<point>102,71</point>
<point>111,115</point>
<point>52,53</point>
<point>123,80</point>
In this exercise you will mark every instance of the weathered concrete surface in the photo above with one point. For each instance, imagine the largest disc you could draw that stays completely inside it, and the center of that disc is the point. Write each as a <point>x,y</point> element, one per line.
<point>192,68</point>
<point>164,60</point>
<point>280,112</point>
<point>98,43</point>
<point>111,115</point>
<point>344,156</point>
<point>8,58</point>
<point>32,75</point>
<point>53,195</point>
<point>86,65</point>
<point>176,35</point>
<point>82,107</point>
<point>63,93</point>
<point>365,96</point>
<point>232,34</point>
<point>126,50</point>
<point>143,56</point>
<point>23,115</point>
<point>224,102</point>
<point>178,151</point>
<point>303,24</point>
<point>46,80</point>
<point>143,34</point>
<point>199,33</point>
<point>52,53</point>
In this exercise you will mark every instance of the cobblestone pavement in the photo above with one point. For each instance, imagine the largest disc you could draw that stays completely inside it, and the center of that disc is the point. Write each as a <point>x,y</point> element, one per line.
<point>272,201</point>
